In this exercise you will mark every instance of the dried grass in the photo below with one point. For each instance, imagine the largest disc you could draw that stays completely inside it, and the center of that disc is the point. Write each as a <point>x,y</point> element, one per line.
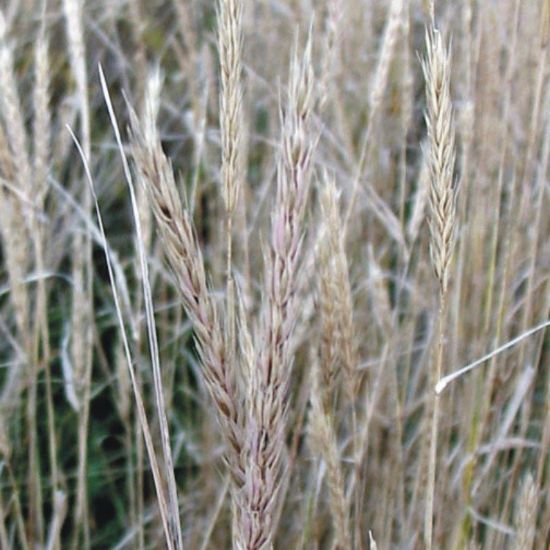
<point>290,375</point>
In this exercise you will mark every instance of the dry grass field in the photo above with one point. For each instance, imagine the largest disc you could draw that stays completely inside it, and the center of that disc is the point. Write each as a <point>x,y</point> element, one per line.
<point>274,274</point>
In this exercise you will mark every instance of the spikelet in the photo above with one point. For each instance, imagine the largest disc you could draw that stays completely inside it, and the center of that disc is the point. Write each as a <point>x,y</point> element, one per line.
<point>332,36</point>
<point>16,170</point>
<point>334,294</point>
<point>230,14</point>
<point>441,155</point>
<point>12,114</point>
<point>385,57</point>
<point>14,236</point>
<point>266,421</point>
<point>185,258</point>
<point>325,445</point>
<point>74,24</point>
<point>42,120</point>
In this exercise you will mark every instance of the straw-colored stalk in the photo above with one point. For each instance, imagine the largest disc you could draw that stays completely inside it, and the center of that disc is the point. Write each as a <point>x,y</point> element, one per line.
<point>441,161</point>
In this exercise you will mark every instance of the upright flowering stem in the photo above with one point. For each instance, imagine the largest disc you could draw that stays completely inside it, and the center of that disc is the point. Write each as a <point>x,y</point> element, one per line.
<point>441,161</point>
<point>269,383</point>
